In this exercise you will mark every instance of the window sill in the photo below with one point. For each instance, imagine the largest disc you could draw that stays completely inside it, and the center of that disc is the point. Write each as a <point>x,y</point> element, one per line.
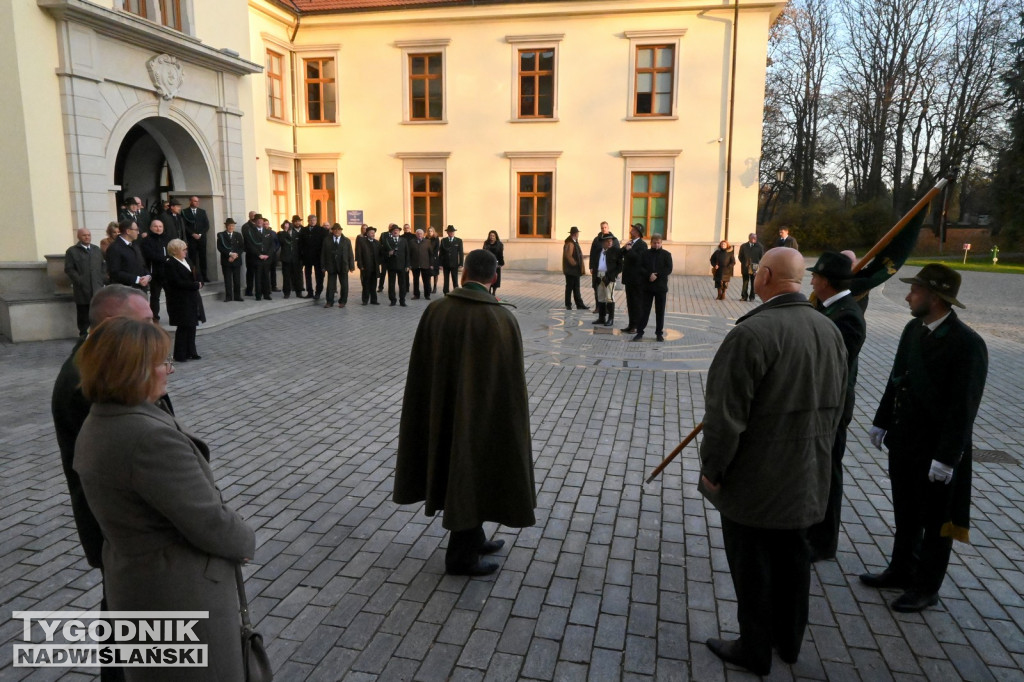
<point>442,121</point>
<point>534,120</point>
<point>318,124</point>
<point>271,119</point>
<point>653,118</point>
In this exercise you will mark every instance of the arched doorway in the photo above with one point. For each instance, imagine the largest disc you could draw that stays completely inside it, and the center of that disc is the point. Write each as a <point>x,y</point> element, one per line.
<point>158,159</point>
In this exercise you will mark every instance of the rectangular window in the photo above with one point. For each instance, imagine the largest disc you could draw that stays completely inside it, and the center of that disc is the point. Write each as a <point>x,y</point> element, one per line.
<point>425,101</point>
<point>136,7</point>
<point>427,195</point>
<point>170,13</point>
<point>654,78</point>
<point>275,85</point>
<point>321,197</point>
<point>321,98</point>
<point>534,200</point>
<point>649,202</point>
<point>537,83</point>
<point>280,194</point>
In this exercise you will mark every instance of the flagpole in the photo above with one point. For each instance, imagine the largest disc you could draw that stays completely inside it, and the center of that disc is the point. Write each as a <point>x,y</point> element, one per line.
<point>898,227</point>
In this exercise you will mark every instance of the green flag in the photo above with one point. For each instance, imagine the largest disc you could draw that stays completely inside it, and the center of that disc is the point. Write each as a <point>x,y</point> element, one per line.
<point>890,259</point>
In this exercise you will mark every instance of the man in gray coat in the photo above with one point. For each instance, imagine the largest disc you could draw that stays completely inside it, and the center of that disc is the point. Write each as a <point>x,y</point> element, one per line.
<point>775,396</point>
<point>83,264</point>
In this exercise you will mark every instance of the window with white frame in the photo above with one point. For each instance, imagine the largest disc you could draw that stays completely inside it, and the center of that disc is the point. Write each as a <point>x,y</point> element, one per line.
<point>654,74</point>
<point>650,175</point>
<point>535,76</point>
<point>424,66</point>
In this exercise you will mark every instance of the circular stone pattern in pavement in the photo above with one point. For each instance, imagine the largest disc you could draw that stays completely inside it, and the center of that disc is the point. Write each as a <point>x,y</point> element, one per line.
<point>568,337</point>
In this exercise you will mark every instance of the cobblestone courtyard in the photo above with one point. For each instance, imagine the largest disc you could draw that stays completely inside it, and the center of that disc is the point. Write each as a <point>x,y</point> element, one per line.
<point>616,581</point>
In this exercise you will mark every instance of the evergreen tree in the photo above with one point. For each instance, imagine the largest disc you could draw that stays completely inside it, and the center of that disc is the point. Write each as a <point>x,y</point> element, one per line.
<point>1008,181</point>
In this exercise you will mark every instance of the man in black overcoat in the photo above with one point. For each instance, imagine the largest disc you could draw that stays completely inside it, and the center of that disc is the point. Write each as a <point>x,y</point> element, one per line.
<point>450,257</point>
<point>337,260</point>
<point>926,419</point>
<point>830,280</point>
<point>595,254</point>
<point>231,247</point>
<point>368,259</point>
<point>291,260</point>
<point>655,267</point>
<point>395,251</point>
<point>83,264</point>
<point>750,257</point>
<point>197,227</point>
<point>154,251</point>
<point>174,223</point>
<point>311,241</point>
<point>632,277</point>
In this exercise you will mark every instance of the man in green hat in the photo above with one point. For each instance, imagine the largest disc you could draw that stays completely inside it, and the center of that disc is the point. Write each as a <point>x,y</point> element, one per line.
<point>925,418</point>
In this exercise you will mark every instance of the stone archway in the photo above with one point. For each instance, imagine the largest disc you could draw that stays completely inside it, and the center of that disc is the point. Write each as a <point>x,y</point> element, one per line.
<point>158,158</point>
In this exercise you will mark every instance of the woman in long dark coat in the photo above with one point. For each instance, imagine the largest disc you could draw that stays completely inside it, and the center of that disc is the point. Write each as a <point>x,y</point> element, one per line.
<point>494,245</point>
<point>435,262</point>
<point>184,304</point>
<point>170,543</point>
<point>722,264</point>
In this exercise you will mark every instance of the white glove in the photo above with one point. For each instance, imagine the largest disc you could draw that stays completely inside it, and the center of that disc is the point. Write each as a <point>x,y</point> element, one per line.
<point>876,435</point>
<point>940,473</point>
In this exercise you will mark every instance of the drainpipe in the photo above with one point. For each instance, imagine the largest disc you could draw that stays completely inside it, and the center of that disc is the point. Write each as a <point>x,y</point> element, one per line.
<point>296,166</point>
<point>732,110</point>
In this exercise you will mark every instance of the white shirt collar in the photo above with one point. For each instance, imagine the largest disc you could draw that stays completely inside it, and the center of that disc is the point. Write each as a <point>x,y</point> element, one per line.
<point>830,301</point>
<point>935,325</point>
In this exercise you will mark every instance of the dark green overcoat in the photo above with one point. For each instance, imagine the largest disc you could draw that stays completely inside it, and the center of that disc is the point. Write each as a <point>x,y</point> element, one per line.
<point>464,443</point>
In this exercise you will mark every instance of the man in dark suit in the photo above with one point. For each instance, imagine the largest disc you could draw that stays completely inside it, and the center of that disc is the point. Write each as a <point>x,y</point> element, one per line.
<point>133,211</point>
<point>750,257</point>
<point>311,241</point>
<point>231,247</point>
<point>368,258</point>
<point>154,252</point>
<point>197,226</point>
<point>83,264</point>
<point>291,260</point>
<point>70,408</point>
<point>830,280</point>
<point>786,240</point>
<point>451,257</point>
<point>926,419</point>
<point>609,265</point>
<point>632,276</point>
<point>421,256</point>
<point>595,253</point>
<point>250,260</point>
<point>396,261</point>
<point>655,267</point>
<point>337,262</point>
<point>259,246</point>
<point>174,223</point>
<point>125,264</point>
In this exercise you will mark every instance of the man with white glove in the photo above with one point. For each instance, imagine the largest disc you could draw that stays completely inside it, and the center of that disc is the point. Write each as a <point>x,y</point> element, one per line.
<point>925,418</point>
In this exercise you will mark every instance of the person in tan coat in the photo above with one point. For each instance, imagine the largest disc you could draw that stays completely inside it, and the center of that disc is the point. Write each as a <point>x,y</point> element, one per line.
<point>573,269</point>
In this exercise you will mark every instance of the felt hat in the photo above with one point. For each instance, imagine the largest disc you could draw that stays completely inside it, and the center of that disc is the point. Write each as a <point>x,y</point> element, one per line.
<point>230,221</point>
<point>574,230</point>
<point>941,280</point>
<point>833,266</point>
<point>450,228</point>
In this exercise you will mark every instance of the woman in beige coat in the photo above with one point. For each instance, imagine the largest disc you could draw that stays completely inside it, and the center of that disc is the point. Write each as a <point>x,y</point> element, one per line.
<point>170,542</point>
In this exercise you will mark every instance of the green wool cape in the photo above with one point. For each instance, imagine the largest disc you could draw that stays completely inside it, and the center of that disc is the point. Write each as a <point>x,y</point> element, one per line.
<point>464,442</point>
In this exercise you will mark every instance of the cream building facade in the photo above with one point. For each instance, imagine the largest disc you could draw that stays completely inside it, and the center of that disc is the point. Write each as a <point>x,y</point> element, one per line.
<point>522,117</point>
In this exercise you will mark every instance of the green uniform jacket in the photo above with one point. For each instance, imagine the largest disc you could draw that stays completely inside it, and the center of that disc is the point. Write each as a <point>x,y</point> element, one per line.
<point>464,443</point>
<point>774,399</point>
<point>931,401</point>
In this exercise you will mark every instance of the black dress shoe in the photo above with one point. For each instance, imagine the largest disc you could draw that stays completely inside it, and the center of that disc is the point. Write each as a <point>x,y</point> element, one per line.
<point>659,337</point>
<point>402,304</point>
<point>731,651</point>
<point>328,304</point>
<point>568,307</point>
<point>628,330</point>
<point>365,303</point>
<point>394,303</point>
<point>240,300</point>
<point>582,307</point>
<point>913,601</point>
<point>887,578</point>
<point>491,546</point>
<point>477,569</point>
<point>638,337</point>
<point>195,357</point>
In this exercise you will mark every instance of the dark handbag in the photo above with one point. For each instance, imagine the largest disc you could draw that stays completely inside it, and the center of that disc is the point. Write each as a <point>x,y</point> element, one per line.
<point>254,654</point>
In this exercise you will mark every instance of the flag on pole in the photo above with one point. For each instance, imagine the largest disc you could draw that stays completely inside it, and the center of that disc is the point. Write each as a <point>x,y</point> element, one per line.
<point>890,259</point>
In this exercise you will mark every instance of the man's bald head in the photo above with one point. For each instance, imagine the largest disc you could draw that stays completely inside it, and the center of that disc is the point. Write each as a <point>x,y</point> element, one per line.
<point>84,235</point>
<point>780,272</point>
<point>117,300</point>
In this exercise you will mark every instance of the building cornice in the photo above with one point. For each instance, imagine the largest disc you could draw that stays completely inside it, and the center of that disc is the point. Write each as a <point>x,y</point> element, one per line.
<point>130,29</point>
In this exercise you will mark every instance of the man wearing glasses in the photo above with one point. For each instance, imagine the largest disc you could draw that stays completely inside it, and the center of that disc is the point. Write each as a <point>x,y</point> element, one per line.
<point>125,263</point>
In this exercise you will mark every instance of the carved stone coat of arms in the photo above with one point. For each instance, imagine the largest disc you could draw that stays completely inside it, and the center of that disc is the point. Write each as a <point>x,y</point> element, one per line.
<point>167,75</point>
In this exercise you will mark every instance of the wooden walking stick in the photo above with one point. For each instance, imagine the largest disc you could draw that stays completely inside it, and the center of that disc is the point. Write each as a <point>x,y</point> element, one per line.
<point>674,453</point>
